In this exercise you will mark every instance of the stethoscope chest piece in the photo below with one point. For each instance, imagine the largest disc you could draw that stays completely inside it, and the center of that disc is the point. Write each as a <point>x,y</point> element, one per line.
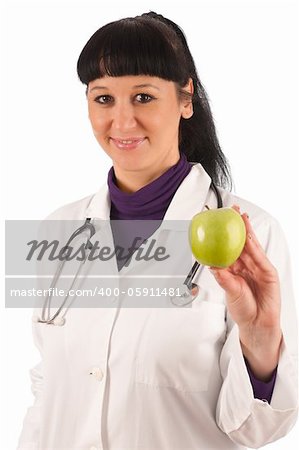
<point>58,321</point>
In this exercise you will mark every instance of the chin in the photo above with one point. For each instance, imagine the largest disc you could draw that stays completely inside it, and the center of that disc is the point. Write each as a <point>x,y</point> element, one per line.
<point>132,163</point>
<point>132,167</point>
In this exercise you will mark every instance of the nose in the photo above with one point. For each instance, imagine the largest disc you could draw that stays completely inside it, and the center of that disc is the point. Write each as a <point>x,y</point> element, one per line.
<point>124,117</point>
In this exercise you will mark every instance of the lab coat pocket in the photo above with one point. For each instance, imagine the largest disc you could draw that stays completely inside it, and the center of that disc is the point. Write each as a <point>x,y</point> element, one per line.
<point>53,347</point>
<point>179,347</point>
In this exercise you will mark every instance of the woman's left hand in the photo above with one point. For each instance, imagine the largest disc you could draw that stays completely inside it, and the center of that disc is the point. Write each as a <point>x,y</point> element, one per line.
<point>253,301</point>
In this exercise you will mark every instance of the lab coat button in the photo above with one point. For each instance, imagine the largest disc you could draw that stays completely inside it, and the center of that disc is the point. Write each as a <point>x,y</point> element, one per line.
<point>97,373</point>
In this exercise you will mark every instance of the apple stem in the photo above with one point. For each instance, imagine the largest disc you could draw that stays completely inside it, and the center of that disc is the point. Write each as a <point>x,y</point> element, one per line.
<point>206,206</point>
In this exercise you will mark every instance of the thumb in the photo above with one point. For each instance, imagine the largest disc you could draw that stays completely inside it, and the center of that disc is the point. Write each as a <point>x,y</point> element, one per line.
<point>228,281</point>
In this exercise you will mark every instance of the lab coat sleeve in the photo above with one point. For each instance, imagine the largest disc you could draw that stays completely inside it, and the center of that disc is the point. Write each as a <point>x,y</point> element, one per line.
<point>248,421</point>
<point>29,437</point>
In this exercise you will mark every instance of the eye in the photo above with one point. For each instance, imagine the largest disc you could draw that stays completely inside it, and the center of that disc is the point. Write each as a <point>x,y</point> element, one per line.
<point>144,98</point>
<point>104,99</point>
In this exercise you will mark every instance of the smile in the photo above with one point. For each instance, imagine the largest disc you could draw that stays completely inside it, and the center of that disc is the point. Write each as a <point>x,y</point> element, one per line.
<point>129,143</point>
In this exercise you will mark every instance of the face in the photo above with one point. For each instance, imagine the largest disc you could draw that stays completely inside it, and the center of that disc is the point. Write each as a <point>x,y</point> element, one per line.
<point>135,119</point>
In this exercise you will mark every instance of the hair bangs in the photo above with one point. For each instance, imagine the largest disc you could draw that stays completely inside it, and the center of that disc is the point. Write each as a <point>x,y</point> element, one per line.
<point>130,47</point>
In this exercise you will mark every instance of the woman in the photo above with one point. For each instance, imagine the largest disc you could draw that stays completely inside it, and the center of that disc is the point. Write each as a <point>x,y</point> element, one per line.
<point>219,374</point>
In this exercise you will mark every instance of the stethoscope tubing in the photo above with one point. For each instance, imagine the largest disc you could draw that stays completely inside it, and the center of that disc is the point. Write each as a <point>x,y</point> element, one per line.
<point>46,317</point>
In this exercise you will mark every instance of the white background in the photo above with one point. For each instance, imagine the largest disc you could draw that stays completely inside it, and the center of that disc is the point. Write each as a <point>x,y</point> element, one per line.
<point>246,53</point>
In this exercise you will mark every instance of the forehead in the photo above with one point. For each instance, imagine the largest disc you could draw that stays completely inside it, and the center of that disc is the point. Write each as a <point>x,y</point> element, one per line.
<point>131,82</point>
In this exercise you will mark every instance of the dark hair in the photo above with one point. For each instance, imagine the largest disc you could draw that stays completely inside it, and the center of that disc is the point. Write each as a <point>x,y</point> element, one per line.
<point>153,45</point>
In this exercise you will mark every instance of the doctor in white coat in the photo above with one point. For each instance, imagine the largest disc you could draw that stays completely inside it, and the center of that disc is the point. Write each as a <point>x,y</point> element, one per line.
<point>166,378</point>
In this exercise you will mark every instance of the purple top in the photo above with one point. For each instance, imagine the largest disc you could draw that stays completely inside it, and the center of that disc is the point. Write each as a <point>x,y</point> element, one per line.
<point>261,389</point>
<point>150,203</point>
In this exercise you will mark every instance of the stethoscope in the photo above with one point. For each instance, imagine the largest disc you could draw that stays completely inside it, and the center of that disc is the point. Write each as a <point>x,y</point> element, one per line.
<point>57,318</point>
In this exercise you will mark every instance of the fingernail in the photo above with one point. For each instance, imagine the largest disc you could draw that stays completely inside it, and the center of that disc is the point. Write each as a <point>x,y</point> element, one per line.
<point>194,290</point>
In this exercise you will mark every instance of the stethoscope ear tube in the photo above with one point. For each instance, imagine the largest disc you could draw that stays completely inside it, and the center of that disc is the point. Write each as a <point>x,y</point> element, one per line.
<point>190,276</point>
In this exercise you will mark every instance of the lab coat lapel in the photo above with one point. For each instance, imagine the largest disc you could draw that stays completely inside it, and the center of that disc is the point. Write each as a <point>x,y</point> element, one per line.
<point>191,195</point>
<point>99,206</point>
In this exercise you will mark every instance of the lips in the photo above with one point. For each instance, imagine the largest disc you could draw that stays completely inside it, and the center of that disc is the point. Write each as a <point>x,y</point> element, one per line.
<point>128,143</point>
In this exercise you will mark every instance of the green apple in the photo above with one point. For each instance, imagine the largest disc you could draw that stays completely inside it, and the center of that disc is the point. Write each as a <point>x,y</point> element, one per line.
<point>217,237</point>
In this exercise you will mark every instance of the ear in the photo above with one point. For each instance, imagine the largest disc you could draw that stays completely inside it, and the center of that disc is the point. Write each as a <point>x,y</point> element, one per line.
<point>187,106</point>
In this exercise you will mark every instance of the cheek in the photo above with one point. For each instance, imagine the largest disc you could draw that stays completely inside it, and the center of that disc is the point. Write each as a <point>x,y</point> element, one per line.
<point>160,122</point>
<point>167,125</point>
<point>97,122</point>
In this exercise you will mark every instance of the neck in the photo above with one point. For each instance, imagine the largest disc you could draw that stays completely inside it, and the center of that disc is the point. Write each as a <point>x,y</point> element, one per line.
<point>130,181</point>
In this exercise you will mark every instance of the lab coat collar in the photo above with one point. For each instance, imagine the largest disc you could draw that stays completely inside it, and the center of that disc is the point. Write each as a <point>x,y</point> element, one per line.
<point>100,204</point>
<point>191,195</point>
<point>188,200</point>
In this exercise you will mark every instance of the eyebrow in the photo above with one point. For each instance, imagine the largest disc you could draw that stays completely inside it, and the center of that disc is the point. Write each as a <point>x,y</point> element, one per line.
<point>133,87</point>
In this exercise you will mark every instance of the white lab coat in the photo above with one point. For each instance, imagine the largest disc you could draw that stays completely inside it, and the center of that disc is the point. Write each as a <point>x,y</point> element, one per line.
<point>160,378</point>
